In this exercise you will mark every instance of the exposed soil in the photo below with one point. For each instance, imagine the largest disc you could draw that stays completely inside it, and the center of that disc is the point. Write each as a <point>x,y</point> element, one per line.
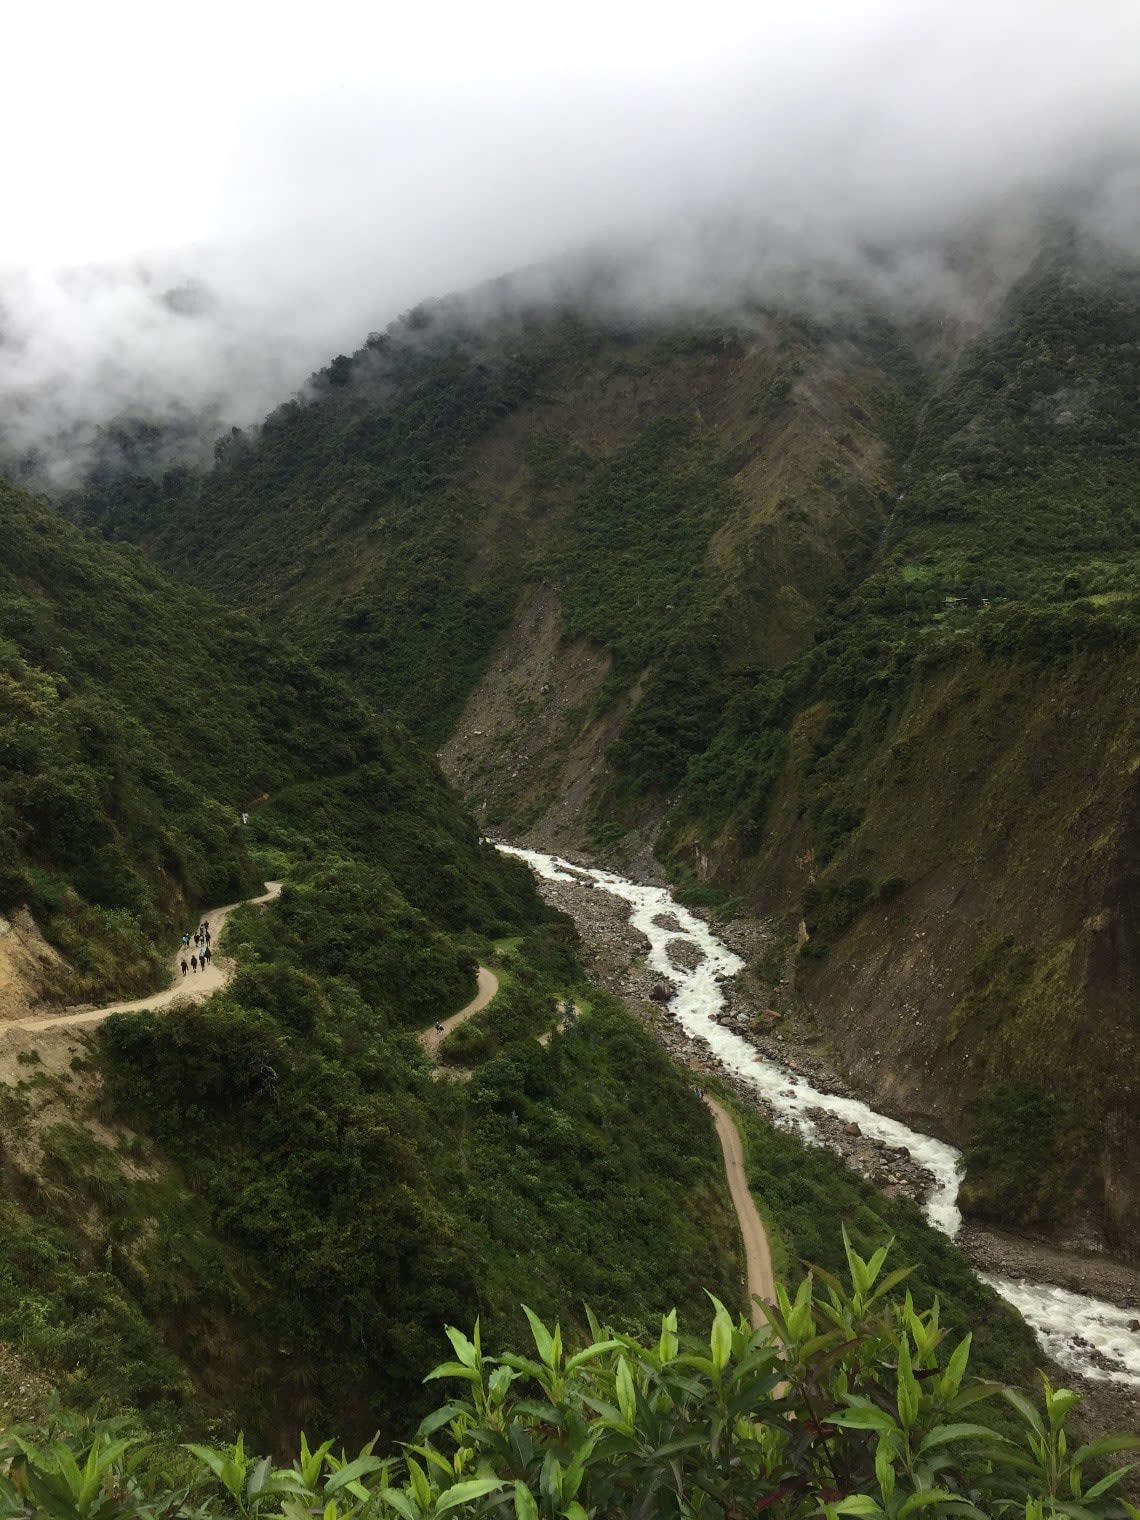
<point>759,1280</point>
<point>432,1039</point>
<point>33,976</point>
<point>193,987</point>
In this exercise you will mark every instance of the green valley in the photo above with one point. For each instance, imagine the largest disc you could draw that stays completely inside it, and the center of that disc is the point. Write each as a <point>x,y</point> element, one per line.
<point>836,620</point>
<point>260,1209</point>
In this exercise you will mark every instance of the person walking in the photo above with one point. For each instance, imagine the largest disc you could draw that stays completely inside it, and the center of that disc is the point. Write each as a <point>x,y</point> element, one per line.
<point>185,968</point>
<point>194,963</point>
<point>186,940</point>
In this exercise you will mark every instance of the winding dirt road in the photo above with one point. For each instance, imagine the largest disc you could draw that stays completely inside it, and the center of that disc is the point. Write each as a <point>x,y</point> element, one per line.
<point>757,1254</point>
<point>431,1039</point>
<point>193,987</point>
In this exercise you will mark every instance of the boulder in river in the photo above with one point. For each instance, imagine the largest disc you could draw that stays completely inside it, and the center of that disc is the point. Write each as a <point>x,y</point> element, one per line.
<point>660,993</point>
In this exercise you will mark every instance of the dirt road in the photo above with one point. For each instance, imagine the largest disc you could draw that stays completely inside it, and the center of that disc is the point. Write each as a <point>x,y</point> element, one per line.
<point>431,1039</point>
<point>190,988</point>
<point>757,1256</point>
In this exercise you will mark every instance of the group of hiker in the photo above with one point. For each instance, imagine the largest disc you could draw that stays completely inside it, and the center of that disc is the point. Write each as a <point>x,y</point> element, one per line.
<point>201,955</point>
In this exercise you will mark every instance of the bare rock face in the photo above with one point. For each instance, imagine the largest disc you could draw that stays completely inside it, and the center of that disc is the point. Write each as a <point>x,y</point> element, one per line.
<point>34,978</point>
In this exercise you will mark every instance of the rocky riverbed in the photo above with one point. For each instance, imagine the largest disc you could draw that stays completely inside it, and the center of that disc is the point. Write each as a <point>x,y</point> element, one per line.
<point>615,952</point>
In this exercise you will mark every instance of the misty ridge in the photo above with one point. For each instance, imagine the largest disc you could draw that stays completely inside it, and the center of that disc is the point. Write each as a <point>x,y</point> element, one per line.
<point>142,368</point>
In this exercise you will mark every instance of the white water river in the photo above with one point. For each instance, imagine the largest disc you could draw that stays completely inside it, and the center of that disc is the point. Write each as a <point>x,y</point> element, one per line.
<point>1085,1335</point>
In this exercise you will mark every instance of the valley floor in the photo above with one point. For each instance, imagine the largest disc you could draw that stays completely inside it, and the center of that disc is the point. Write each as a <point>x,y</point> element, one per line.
<point>615,953</point>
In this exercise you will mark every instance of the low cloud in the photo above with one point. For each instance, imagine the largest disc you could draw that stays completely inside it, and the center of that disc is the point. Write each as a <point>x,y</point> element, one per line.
<point>915,156</point>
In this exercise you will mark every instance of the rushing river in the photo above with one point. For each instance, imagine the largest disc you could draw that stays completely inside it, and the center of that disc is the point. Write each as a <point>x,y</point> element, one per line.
<point>1086,1335</point>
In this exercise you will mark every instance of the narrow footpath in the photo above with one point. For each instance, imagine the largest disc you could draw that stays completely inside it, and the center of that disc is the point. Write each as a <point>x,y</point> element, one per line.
<point>432,1038</point>
<point>191,988</point>
<point>757,1253</point>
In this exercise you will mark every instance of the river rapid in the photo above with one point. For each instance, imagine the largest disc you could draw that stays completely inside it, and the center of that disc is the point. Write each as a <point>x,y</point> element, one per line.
<point>1086,1335</point>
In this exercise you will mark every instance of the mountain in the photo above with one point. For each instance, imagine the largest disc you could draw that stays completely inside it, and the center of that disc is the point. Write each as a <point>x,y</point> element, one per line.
<point>835,619</point>
<point>260,1209</point>
<point>139,720</point>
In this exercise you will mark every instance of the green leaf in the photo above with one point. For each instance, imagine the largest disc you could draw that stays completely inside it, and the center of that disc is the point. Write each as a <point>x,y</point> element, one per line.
<point>353,1471</point>
<point>216,1461</point>
<point>588,1353</point>
<point>543,1340</point>
<point>866,1417</point>
<point>926,1498</point>
<point>421,1488</point>
<point>464,1349</point>
<point>951,1379</point>
<point>891,1280</point>
<point>436,1420</point>
<point>627,1399</point>
<point>860,1277</point>
<point>1107,1482</point>
<point>454,1370</point>
<point>434,1458</point>
<point>667,1342</point>
<point>525,1506</point>
<point>720,1341</point>
<point>963,1431</point>
<point>884,1467</point>
<point>1024,1408</point>
<point>398,1500</point>
<point>258,1476</point>
<point>907,1387</point>
<point>854,1504</point>
<point>1104,1446</point>
<point>464,1493</point>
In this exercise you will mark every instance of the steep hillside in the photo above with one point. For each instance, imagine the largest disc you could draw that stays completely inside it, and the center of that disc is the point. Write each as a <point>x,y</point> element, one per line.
<point>848,637</point>
<point>260,1209</point>
<point>395,520</point>
<point>138,720</point>
<point>947,784</point>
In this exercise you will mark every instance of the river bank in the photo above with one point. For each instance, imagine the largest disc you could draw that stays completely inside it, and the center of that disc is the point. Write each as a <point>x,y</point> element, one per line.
<point>641,947</point>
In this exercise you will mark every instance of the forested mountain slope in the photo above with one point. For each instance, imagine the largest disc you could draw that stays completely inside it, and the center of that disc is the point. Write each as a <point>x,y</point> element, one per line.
<point>841,619</point>
<point>260,1210</point>
<point>138,719</point>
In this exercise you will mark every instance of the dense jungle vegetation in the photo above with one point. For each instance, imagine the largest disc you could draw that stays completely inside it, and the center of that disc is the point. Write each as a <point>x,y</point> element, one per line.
<point>138,720</point>
<point>296,1204</point>
<point>849,1400</point>
<point>863,604</point>
<point>304,1203</point>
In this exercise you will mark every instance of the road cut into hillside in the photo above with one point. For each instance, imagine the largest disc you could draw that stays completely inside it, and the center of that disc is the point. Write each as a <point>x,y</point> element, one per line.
<point>488,986</point>
<point>757,1254</point>
<point>193,987</point>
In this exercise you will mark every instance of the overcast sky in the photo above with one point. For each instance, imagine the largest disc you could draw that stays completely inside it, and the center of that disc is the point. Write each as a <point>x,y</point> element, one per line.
<point>322,167</point>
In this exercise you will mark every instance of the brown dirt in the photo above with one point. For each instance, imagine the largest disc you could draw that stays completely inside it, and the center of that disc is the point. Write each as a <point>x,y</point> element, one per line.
<point>529,744</point>
<point>45,1058</point>
<point>432,1039</point>
<point>32,974</point>
<point>759,1280</point>
<point>192,988</point>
